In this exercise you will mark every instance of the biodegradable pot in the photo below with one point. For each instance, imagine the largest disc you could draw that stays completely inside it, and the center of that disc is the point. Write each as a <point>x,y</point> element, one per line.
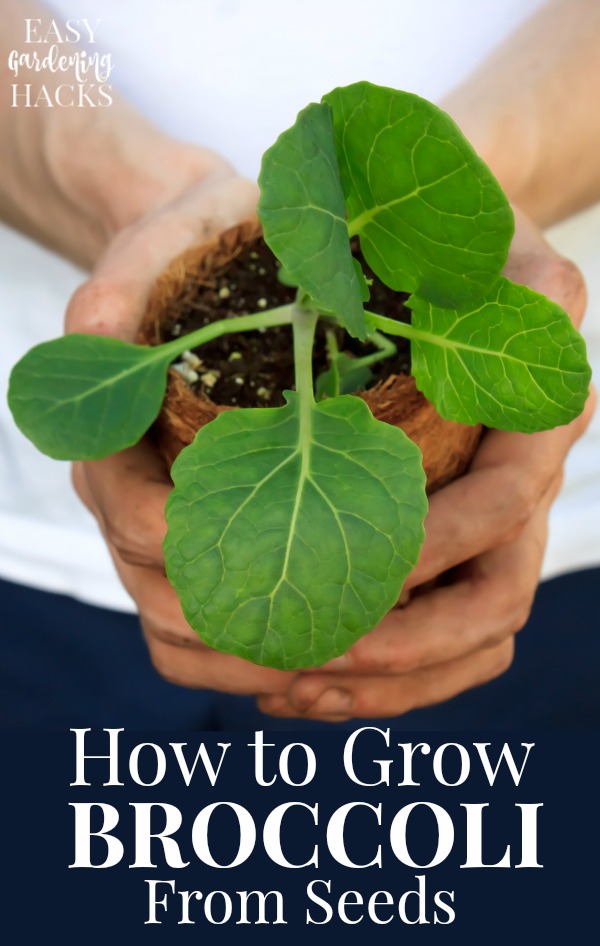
<point>447,447</point>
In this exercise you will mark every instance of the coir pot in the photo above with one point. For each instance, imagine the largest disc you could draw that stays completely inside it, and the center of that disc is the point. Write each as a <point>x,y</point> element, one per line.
<point>447,447</point>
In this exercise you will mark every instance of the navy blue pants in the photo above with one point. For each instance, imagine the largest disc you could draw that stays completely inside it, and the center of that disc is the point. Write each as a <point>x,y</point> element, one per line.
<point>66,664</point>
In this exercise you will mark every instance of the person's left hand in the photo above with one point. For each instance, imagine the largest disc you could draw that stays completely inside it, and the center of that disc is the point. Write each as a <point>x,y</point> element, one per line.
<point>490,527</point>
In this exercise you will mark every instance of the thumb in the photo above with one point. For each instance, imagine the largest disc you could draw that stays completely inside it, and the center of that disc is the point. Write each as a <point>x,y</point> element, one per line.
<point>534,263</point>
<point>113,300</point>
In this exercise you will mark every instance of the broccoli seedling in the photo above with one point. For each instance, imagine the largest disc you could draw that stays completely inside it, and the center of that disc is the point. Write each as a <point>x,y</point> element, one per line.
<point>291,530</point>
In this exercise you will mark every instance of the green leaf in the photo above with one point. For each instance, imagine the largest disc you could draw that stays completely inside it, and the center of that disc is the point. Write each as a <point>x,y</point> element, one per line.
<point>432,218</point>
<point>303,215</point>
<point>83,397</point>
<point>345,376</point>
<point>289,536</point>
<point>515,362</point>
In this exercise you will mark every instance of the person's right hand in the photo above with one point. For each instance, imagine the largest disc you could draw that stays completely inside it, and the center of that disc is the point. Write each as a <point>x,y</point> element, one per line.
<point>127,492</point>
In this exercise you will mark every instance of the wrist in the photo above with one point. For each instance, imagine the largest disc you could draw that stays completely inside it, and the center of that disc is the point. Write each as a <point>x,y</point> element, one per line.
<point>112,168</point>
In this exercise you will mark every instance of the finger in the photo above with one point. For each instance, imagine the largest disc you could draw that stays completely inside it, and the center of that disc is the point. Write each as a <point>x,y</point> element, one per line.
<point>177,652</point>
<point>194,665</point>
<point>376,697</point>
<point>127,493</point>
<point>508,477</point>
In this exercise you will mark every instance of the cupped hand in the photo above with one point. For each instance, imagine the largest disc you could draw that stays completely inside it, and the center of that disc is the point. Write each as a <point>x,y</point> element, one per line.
<point>127,492</point>
<point>486,534</point>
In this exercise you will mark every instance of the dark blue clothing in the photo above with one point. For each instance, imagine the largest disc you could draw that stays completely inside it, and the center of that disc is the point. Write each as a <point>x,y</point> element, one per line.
<point>66,664</point>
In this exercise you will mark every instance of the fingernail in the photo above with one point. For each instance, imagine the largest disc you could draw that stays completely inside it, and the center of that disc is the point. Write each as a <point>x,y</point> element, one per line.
<point>332,701</point>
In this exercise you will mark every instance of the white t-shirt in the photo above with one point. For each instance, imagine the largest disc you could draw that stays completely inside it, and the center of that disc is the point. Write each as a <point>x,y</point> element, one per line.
<point>232,74</point>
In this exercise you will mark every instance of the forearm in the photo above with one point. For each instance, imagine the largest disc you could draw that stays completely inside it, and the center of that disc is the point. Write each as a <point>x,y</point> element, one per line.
<point>73,177</point>
<point>531,110</point>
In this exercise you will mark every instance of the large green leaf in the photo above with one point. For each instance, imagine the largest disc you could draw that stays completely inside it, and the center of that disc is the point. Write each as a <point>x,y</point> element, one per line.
<point>83,397</point>
<point>514,362</point>
<point>431,217</point>
<point>290,534</point>
<point>303,215</point>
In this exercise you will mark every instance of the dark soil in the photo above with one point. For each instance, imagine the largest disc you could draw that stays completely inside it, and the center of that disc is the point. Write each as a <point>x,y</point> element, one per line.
<point>252,369</point>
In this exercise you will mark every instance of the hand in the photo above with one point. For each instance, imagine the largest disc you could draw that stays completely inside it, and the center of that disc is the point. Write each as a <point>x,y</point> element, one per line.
<point>490,528</point>
<point>127,492</point>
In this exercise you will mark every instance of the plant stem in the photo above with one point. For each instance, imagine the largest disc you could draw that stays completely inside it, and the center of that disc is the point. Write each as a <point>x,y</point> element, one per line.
<point>304,322</point>
<point>387,349</point>
<point>392,327</point>
<point>332,345</point>
<point>282,315</point>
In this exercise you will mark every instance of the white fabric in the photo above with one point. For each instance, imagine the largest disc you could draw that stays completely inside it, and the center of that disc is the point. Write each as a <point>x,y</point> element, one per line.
<point>232,74</point>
